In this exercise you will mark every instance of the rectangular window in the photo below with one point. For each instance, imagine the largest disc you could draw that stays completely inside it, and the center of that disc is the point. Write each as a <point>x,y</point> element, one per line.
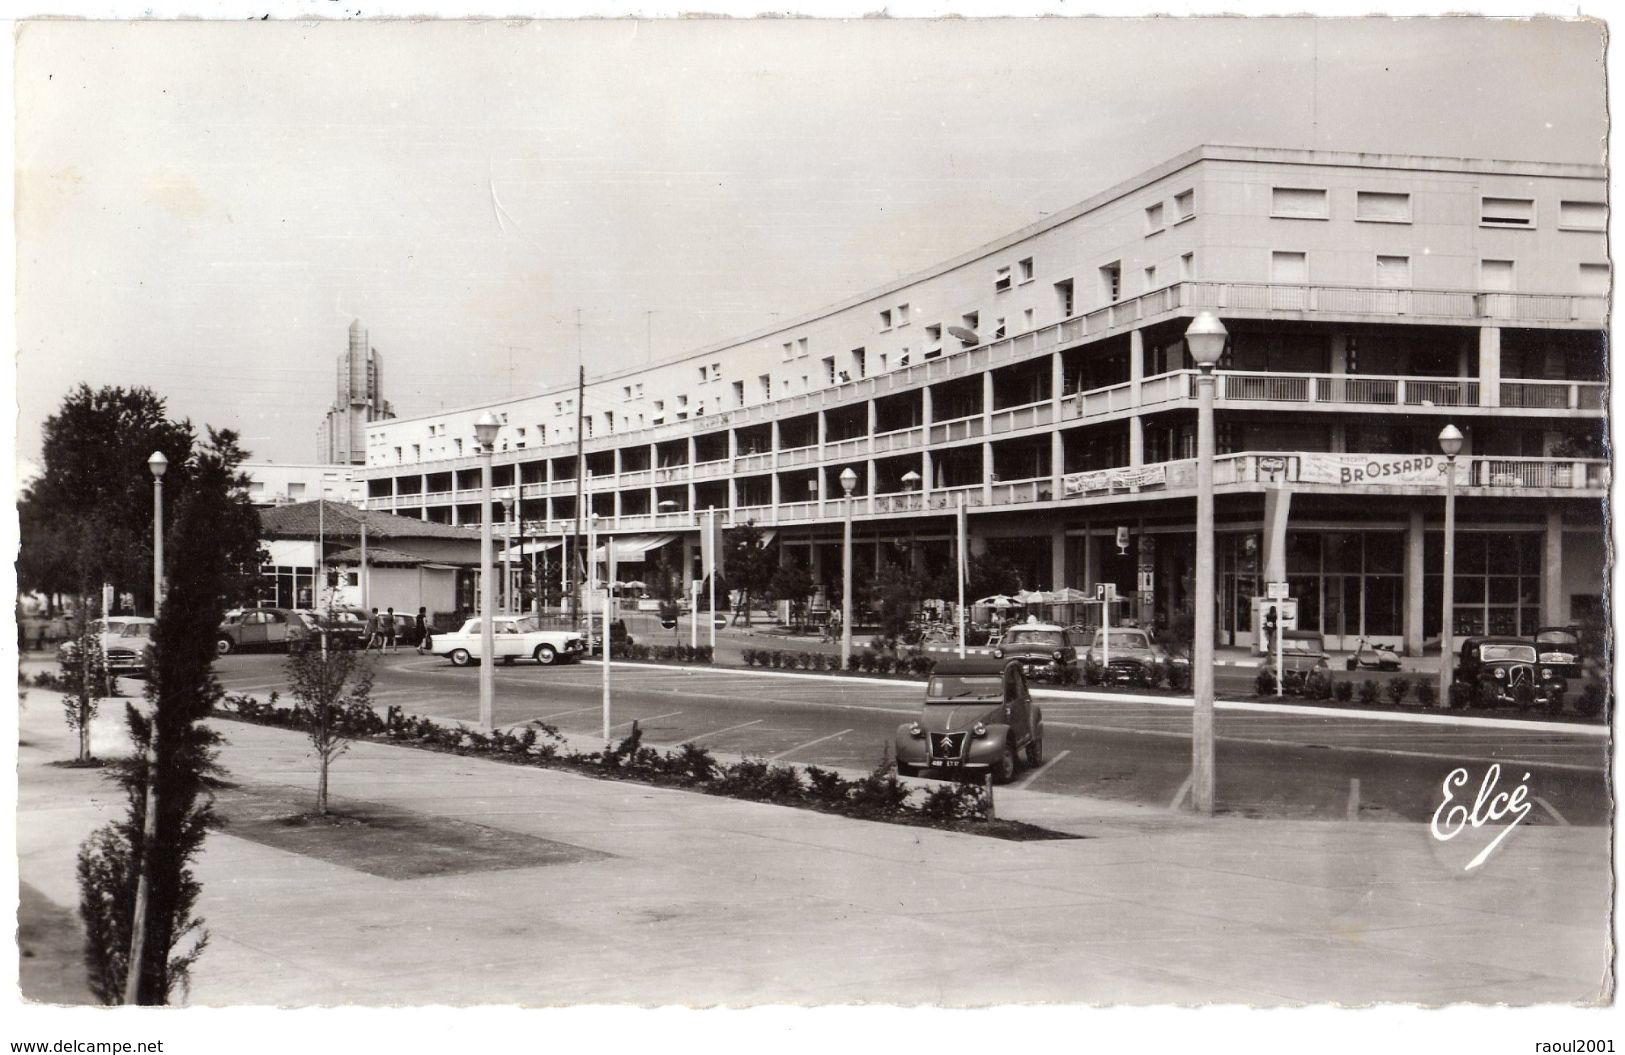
<point>1594,279</point>
<point>1153,218</point>
<point>660,411</point>
<point>789,351</point>
<point>626,392</point>
<point>933,333</point>
<point>882,362</point>
<point>998,328</point>
<point>766,383</point>
<point>1187,267</point>
<point>1582,215</point>
<point>1507,212</point>
<point>1495,275</point>
<point>801,348</point>
<point>971,321</point>
<point>885,319</point>
<point>902,314</point>
<point>1290,268</point>
<point>1150,278</point>
<point>609,421</point>
<point>1298,203</point>
<point>1063,297</point>
<point>1393,272</point>
<point>1001,280</point>
<point>1185,205</point>
<point>1024,269</point>
<point>1027,319</point>
<point>705,373</point>
<point>1382,207</point>
<point>829,369</point>
<point>859,363</point>
<point>1111,281</point>
<point>739,393</point>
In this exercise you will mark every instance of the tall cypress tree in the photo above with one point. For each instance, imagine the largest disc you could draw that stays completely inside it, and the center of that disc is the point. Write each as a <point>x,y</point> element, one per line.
<point>211,550</point>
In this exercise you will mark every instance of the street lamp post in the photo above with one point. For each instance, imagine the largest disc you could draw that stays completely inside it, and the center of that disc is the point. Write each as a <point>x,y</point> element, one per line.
<point>1450,441</point>
<point>1205,339</point>
<point>849,480</point>
<point>485,430</point>
<point>149,817</point>
<point>506,498</point>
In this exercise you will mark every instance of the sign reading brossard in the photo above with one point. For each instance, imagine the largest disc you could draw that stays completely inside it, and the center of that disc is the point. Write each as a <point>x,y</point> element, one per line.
<point>1356,469</point>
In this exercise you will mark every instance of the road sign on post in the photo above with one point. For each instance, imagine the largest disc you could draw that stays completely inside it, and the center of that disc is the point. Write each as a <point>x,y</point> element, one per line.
<point>1278,591</point>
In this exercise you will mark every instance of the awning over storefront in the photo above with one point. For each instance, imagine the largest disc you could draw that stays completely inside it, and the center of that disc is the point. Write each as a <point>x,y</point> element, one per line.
<point>630,550</point>
<point>525,549</point>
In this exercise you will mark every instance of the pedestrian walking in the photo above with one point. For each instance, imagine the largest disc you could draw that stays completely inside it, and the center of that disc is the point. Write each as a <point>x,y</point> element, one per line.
<point>421,623</point>
<point>375,632</point>
<point>389,630</point>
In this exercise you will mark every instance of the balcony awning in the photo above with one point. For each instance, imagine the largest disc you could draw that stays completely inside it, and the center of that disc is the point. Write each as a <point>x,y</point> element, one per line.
<point>630,549</point>
<point>525,549</point>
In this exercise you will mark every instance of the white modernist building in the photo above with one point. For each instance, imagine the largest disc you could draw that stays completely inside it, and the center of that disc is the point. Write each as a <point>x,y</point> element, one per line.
<point>1042,379</point>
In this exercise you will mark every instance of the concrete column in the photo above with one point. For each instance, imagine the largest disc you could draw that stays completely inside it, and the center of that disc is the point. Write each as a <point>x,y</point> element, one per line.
<point>1553,609</point>
<point>870,482</point>
<point>1057,465</point>
<point>1057,382</point>
<point>1057,557</point>
<point>987,473</point>
<point>927,465</point>
<point>1340,354</point>
<point>1136,365</point>
<point>1091,561</point>
<point>987,403</point>
<point>1415,577</point>
<point>874,416</point>
<point>1277,505</point>
<point>688,564</point>
<point>1136,439</point>
<point>1489,366</point>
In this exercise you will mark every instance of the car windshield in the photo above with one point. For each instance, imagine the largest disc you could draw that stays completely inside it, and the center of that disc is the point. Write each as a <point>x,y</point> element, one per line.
<point>137,630</point>
<point>1560,639</point>
<point>1121,639</point>
<point>1034,639</point>
<point>947,687</point>
<point>1508,653</point>
<point>1299,644</point>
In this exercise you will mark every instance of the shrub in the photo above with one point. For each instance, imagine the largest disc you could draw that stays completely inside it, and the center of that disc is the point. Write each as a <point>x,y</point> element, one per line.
<point>1179,677</point>
<point>1426,694</point>
<point>885,664</point>
<point>1264,682</point>
<point>1343,691</point>
<point>744,779</point>
<point>923,665</point>
<point>1091,671</point>
<point>1317,684</point>
<point>1592,698</point>
<point>1486,698</point>
<point>749,656</point>
<point>1461,696</point>
<point>692,762</point>
<point>854,662</point>
<point>1398,690</point>
<point>776,660</point>
<point>879,792</point>
<point>1369,692</point>
<point>804,661</point>
<point>827,786</point>
<point>871,659</point>
<point>947,802</point>
<point>781,784</point>
<point>1554,704</point>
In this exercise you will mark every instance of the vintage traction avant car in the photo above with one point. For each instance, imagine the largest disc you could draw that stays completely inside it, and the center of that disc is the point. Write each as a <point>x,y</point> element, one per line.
<point>513,637</point>
<point>1497,669</point>
<point>1041,648</point>
<point>978,718</point>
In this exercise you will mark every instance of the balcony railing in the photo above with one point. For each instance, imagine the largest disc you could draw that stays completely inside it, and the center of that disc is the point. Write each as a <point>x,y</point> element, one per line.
<point>956,430</point>
<point>712,469</point>
<point>898,440</point>
<point>1025,417</point>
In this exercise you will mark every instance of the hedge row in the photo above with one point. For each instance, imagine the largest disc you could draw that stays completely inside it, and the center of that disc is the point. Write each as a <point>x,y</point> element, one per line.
<point>877,796</point>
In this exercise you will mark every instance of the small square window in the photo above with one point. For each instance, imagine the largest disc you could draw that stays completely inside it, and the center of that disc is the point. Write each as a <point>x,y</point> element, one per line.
<point>1582,216</point>
<point>1298,203</point>
<point>1001,280</point>
<point>902,314</point>
<point>1153,218</point>
<point>1184,205</point>
<point>885,319</point>
<point>1382,207</point>
<point>933,333</point>
<point>1187,267</point>
<point>1291,268</point>
<point>1393,272</point>
<point>801,348</point>
<point>1507,212</point>
<point>1024,269</point>
<point>1150,278</point>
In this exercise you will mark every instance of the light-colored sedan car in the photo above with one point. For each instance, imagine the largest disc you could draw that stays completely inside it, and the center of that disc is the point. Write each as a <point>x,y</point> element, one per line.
<point>124,641</point>
<point>514,637</point>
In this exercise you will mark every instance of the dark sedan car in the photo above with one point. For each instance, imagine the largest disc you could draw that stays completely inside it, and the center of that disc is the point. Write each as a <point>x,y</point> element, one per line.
<point>1559,648</point>
<point>1498,668</point>
<point>1041,648</point>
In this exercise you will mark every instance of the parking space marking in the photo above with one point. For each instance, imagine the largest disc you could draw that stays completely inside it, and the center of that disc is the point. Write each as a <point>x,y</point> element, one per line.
<point>1041,770</point>
<point>719,732</point>
<point>649,718</point>
<point>1549,808</point>
<point>561,714</point>
<point>1182,793</point>
<point>1354,799</point>
<point>808,744</point>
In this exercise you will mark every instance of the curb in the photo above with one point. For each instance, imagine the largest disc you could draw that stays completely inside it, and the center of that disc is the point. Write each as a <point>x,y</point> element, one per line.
<point>1178,701</point>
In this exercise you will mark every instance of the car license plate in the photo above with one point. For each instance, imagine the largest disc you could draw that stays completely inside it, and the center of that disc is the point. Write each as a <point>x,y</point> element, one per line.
<point>946,763</point>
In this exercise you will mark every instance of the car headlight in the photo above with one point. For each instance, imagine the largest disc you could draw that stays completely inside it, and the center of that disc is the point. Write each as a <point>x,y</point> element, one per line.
<point>1058,655</point>
<point>978,730</point>
<point>1545,672</point>
<point>915,730</point>
<point>998,653</point>
<point>1500,673</point>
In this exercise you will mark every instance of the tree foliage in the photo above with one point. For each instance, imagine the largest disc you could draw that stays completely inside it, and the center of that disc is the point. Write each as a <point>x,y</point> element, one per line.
<point>747,563</point>
<point>989,574</point>
<point>84,677</point>
<point>210,512</point>
<point>793,582</point>
<point>893,595</point>
<point>334,688</point>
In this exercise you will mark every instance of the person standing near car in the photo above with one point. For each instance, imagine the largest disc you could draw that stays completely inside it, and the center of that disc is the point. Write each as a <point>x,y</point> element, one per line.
<point>375,632</point>
<point>421,624</point>
<point>389,629</point>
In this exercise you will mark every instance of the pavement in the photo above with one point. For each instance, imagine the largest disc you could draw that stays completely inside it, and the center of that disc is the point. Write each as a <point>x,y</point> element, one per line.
<point>577,890</point>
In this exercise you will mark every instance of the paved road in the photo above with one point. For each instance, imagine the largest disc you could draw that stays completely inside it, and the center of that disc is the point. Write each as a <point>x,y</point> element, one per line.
<point>1269,764</point>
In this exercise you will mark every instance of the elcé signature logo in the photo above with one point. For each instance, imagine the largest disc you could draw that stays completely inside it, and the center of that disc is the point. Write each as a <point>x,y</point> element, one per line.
<point>1488,805</point>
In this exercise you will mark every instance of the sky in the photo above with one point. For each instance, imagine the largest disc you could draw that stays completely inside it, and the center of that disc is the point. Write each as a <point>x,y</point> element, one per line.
<point>204,207</point>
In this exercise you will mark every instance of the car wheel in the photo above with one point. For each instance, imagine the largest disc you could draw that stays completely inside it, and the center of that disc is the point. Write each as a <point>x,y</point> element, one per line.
<point>1035,752</point>
<point>545,655</point>
<point>1005,771</point>
<point>460,657</point>
<point>223,646</point>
